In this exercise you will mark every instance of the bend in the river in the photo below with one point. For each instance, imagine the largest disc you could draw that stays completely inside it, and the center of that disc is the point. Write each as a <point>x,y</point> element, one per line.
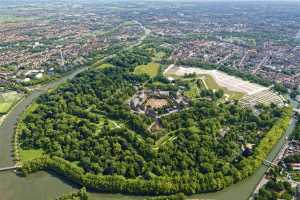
<point>43,185</point>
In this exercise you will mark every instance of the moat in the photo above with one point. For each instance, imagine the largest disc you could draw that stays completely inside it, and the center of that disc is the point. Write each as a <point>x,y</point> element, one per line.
<point>43,185</point>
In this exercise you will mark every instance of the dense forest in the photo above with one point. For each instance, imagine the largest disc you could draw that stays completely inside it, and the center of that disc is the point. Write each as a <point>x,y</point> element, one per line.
<point>90,135</point>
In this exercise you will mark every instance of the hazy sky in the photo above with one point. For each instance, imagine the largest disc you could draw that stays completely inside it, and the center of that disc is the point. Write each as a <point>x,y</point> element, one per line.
<point>232,0</point>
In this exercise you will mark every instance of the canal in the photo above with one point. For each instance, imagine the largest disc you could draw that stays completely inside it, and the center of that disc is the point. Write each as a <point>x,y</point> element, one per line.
<point>43,185</point>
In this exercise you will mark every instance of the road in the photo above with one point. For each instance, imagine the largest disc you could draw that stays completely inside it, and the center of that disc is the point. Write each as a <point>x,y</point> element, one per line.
<point>262,62</point>
<point>243,59</point>
<point>225,58</point>
<point>10,168</point>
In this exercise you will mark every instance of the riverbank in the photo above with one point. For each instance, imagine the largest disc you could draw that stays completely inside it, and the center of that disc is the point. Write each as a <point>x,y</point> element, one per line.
<point>275,161</point>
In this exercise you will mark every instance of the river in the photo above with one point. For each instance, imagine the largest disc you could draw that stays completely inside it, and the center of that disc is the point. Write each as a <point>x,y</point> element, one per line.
<point>43,185</point>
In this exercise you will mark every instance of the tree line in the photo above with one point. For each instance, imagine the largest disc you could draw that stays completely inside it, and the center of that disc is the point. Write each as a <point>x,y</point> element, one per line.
<point>80,195</point>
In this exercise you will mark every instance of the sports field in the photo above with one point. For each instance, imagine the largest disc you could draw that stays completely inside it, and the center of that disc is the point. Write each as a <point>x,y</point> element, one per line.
<point>151,69</point>
<point>7,100</point>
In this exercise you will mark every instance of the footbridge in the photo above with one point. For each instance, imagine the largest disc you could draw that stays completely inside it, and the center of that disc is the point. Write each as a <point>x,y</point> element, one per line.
<point>3,169</point>
<point>269,163</point>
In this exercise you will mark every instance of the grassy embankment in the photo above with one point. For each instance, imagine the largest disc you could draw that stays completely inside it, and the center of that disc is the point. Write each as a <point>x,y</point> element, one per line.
<point>8,100</point>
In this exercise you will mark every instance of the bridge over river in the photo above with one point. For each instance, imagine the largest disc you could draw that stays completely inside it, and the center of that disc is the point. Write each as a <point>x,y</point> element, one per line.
<point>3,169</point>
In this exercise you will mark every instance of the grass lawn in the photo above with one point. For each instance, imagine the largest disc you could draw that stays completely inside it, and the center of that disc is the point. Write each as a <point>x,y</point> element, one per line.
<point>151,69</point>
<point>5,106</point>
<point>7,100</point>
<point>30,154</point>
<point>105,65</point>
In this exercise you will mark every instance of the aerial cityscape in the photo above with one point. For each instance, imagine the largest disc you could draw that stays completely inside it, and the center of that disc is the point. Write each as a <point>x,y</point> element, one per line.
<point>149,100</point>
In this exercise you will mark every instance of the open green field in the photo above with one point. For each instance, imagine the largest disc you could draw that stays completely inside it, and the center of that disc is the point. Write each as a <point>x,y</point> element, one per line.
<point>151,69</point>
<point>7,100</point>
<point>105,65</point>
<point>30,154</point>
